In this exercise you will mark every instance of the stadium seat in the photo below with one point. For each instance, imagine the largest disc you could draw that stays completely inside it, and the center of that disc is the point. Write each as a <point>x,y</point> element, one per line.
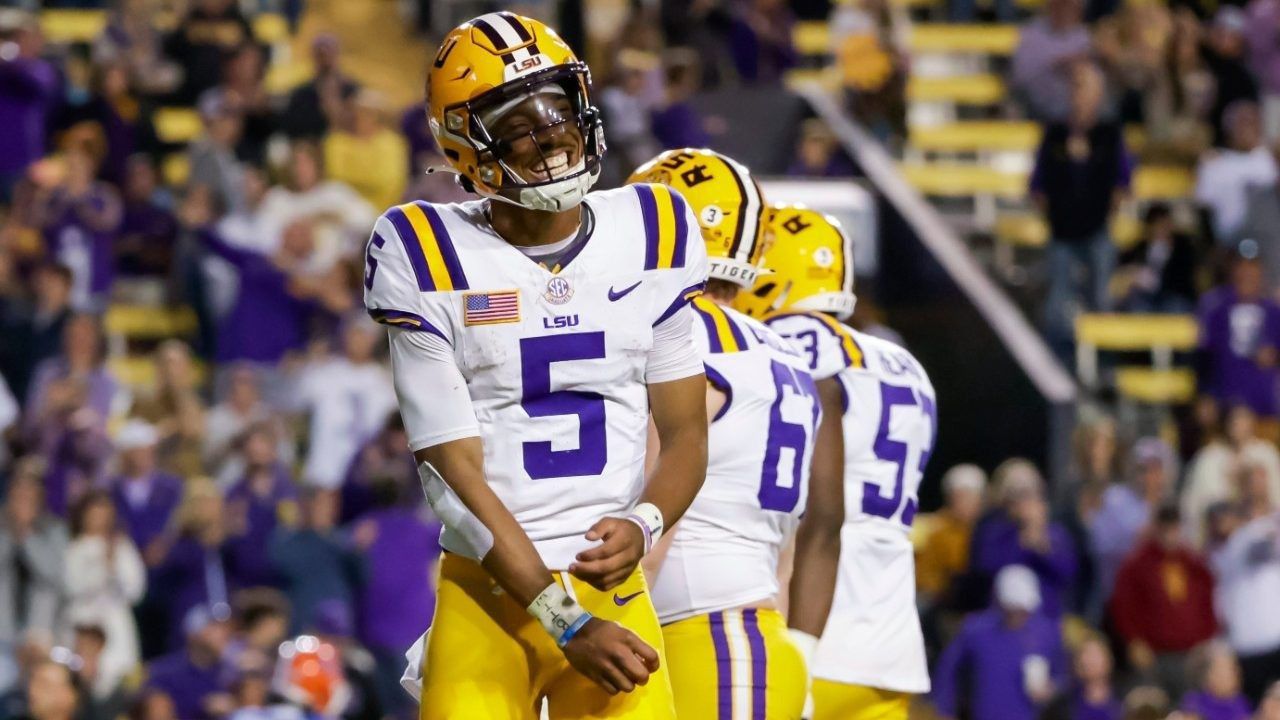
<point>177,125</point>
<point>140,322</point>
<point>271,28</point>
<point>1162,182</point>
<point>976,136</point>
<point>1156,387</point>
<point>827,78</point>
<point>176,169</point>
<point>945,180</point>
<point>1030,230</point>
<point>139,371</point>
<point>1162,335</point>
<point>977,89</point>
<point>72,26</point>
<point>991,39</point>
<point>811,37</point>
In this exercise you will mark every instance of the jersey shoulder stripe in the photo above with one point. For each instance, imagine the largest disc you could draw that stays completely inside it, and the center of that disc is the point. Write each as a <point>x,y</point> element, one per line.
<point>849,347</point>
<point>665,233</point>
<point>723,333</point>
<point>430,249</point>
<point>406,321</point>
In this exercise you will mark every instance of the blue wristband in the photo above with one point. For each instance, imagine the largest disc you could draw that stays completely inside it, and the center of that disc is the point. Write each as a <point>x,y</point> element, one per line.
<point>573,629</point>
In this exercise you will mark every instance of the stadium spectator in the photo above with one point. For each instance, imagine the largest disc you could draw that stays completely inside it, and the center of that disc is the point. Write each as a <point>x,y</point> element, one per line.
<point>145,497</point>
<point>871,47</point>
<point>347,397</point>
<point>175,409</point>
<point>1019,531</point>
<point>677,123</point>
<point>945,552</point>
<point>33,547</point>
<point>1216,675</point>
<point>148,231</point>
<point>192,675</point>
<point>1256,498</point>
<point>356,670</point>
<point>262,500</point>
<point>1224,53</point>
<point>817,153</point>
<point>214,164</point>
<point>209,32</point>
<point>365,153</point>
<point>53,693</point>
<point>1239,338</point>
<point>1226,178</point>
<point>261,622</point>
<point>109,113</point>
<point>1133,46</point>
<point>37,327</point>
<point>1159,271</point>
<point>1091,694</point>
<point>9,412</point>
<point>1163,603</point>
<point>1269,708</point>
<point>1011,655</point>
<point>381,460</point>
<point>1081,172</point>
<point>229,421</point>
<point>105,697</point>
<point>1209,476</point>
<point>319,103</point>
<point>193,567</point>
<point>1247,567</point>
<point>1129,508</point>
<point>130,37</point>
<point>28,91</point>
<point>760,40</point>
<point>628,103</point>
<point>105,577</point>
<point>1044,63</point>
<point>242,92</point>
<point>153,704</point>
<point>315,561</point>
<point>341,217</point>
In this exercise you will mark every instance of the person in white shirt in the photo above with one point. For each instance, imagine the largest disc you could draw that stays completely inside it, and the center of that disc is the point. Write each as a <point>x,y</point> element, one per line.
<point>1224,179</point>
<point>1210,476</point>
<point>348,398</point>
<point>1247,567</point>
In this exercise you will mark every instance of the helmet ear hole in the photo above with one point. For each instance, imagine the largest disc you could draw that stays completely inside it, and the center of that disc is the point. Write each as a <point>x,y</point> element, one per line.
<point>764,290</point>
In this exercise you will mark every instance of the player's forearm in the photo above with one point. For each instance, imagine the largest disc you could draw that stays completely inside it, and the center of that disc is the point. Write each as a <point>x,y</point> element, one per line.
<point>817,558</point>
<point>679,414</point>
<point>512,560</point>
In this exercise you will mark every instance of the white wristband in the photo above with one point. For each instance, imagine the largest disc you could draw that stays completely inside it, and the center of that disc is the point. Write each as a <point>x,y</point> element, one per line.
<point>561,616</point>
<point>649,518</point>
<point>806,644</point>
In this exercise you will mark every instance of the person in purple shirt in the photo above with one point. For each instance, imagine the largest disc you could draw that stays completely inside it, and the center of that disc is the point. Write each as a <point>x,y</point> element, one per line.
<point>28,88</point>
<point>80,218</point>
<point>1239,339</point>
<point>260,502</point>
<point>145,498</point>
<point>149,230</point>
<point>678,124</point>
<point>195,567</point>
<point>1011,654</point>
<point>401,546</point>
<point>1091,695</point>
<point>1217,676</point>
<point>76,381</point>
<point>384,458</point>
<point>1021,533</point>
<point>194,676</point>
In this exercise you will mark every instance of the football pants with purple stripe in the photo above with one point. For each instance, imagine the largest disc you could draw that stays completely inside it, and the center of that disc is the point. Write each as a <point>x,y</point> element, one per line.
<point>735,665</point>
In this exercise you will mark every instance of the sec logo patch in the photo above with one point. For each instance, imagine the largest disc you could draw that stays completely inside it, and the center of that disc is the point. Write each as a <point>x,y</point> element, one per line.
<point>558,291</point>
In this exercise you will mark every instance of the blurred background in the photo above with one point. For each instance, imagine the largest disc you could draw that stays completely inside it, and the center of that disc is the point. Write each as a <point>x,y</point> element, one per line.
<point>1067,210</point>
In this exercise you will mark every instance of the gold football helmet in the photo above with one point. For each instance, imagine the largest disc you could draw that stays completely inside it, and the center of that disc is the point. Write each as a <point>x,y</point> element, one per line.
<point>728,203</point>
<point>810,263</point>
<point>484,69</point>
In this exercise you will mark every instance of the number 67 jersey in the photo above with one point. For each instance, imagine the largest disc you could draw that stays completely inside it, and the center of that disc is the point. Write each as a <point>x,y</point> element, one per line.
<point>873,636</point>
<point>555,360</point>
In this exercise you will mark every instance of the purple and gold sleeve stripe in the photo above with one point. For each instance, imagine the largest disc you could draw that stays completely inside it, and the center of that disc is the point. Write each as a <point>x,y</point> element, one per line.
<point>665,233</point>
<point>430,249</point>
<point>723,334</point>
<point>406,321</point>
<point>684,298</point>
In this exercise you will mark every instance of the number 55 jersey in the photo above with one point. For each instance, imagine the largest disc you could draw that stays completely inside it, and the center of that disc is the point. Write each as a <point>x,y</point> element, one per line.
<point>873,636</point>
<point>555,359</point>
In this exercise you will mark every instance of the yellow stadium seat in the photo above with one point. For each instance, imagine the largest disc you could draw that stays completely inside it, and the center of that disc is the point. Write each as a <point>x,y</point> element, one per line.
<point>72,26</point>
<point>1028,230</point>
<point>1135,138</point>
<point>976,136</point>
<point>271,28</point>
<point>964,181</point>
<point>1158,387</point>
<point>811,37</point>
<point>978,89</point>
<point>1162,182</point>
<point>139,371</point>
<point>958,39</point>
<point>285,76</point>
<point>178,125</point>
<point>1128,332</point>
<point>151,323</point>
<point>176,169</point>
<point>827,78</point>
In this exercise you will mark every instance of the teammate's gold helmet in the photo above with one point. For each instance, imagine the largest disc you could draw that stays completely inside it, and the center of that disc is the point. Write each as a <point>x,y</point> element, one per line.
<point>728,203</point>
<point>483,69</point>
<point>810,263</point>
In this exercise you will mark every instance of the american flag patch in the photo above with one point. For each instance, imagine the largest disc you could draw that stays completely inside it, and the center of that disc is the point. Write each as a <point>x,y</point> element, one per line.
<point>491,308</point>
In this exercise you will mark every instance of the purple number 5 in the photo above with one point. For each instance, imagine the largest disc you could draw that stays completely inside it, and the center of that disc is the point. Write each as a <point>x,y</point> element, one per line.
<point>895,451</point>
<point>538,400</point>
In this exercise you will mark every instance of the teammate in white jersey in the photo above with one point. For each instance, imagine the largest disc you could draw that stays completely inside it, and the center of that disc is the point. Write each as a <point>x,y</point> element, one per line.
<point>534,331</point>
<point>871,657</point>
<point>716,585</point>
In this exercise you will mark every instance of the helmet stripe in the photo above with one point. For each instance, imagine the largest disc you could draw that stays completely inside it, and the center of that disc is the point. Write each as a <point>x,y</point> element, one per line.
<point>749,211</point>
<point>516,25</point>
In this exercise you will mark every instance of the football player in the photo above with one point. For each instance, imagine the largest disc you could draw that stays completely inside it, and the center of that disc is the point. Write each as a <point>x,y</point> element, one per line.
<point>871,655</point>
<point>532,333</point>
<point>716,585</point>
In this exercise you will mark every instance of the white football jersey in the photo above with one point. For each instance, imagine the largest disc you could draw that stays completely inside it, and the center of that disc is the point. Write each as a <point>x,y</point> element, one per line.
<point>873,635</point>
<point>724,553</point>
<point>555,360</point>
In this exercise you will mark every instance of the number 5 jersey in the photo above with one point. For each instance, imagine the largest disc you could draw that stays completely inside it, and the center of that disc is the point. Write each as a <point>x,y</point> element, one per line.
<point>555,360</point>
<point>873,636</point>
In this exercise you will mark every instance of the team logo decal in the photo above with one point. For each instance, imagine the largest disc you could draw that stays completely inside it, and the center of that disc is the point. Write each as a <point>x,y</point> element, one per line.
<point>711,216</point>
<point>558,291</point>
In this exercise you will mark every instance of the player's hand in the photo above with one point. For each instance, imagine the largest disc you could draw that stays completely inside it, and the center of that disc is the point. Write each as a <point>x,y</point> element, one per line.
<point>605,566</point>
<point>611,656</point>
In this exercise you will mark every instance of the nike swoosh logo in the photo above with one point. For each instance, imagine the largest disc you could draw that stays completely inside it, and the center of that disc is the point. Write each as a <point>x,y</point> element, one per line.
<point>616,295</point>
<point>624,599</point>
